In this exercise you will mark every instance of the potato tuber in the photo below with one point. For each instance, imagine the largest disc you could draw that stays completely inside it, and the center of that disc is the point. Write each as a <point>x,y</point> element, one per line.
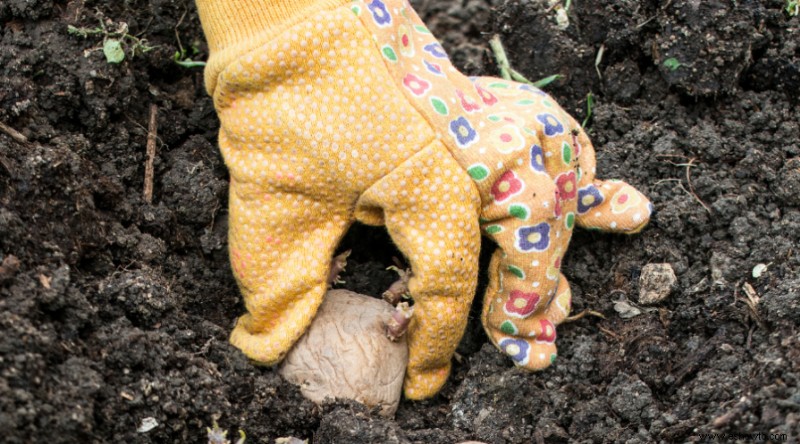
<point>345,353</point>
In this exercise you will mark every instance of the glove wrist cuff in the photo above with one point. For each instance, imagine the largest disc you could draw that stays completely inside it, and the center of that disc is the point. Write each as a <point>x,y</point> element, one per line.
<point>227,23</point>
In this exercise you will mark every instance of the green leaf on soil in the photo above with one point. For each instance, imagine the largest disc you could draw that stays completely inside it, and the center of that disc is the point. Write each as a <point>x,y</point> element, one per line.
<point>113,51</point>
<point>589,108</point>
<point>541,83</point>
<point>672,64</point>
<point>793,7</point>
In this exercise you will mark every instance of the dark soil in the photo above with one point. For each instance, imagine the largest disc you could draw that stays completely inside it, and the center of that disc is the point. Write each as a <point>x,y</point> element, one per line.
<point>114,310</point>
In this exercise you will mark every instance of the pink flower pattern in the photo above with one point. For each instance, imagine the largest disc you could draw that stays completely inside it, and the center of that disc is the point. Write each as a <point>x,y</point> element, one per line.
<point>506,186</point>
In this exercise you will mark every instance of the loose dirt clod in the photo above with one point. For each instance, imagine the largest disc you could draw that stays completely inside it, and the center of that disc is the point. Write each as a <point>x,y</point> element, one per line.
<point>9,267</point>
<point>655,283</point>
<point>346,354</point>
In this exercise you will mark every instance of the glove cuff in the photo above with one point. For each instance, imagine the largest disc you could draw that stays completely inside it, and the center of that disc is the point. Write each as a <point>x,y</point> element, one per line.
<point>234,27</point>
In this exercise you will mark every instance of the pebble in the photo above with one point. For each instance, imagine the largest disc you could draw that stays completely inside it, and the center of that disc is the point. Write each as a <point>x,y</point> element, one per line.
<point>656,283</point>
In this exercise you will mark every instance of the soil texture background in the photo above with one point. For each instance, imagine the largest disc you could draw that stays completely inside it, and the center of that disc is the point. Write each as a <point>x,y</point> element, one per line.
<point>115,312</point>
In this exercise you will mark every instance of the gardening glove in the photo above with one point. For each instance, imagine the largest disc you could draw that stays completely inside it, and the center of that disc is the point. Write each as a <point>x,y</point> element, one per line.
<point>334,111</point>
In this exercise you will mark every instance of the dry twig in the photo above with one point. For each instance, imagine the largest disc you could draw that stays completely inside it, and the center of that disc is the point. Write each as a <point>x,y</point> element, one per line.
<point>152,136</point>
<point>584,313</point>
<point>751,300</point>
<point>690,191</point>
<point>723,420</point>
<point>689,182</point>
<point>14,134</point>
<point>610,333</point>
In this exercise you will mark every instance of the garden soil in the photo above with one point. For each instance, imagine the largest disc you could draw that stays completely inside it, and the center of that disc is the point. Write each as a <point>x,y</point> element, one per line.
<point>115,311</point>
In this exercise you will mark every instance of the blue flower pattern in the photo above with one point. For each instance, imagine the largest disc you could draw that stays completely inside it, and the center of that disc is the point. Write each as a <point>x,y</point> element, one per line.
<point>533,238</point>
<point>435,50</point>
<point>517,349</point>
<point>552,127</point>
<point>379,13</point>
<point>463,132</point>
<point>537,158</point>
<point>588,198</point>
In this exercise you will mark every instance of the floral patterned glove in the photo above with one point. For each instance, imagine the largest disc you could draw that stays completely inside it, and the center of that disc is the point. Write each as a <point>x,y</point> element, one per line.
<point>334,111</point>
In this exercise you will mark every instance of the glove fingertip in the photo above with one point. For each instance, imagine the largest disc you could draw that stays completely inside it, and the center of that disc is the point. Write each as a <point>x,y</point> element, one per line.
<point>613,206</point>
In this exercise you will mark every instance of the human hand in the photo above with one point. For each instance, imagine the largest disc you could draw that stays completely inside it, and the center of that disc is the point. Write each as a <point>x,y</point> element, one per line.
<point>335,111</point>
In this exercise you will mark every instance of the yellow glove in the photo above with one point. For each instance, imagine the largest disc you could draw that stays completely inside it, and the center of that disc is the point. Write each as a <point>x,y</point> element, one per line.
<point>337,110</point>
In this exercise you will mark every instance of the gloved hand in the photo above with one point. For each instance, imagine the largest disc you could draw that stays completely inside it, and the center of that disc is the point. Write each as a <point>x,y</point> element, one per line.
<point>334,111</point>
